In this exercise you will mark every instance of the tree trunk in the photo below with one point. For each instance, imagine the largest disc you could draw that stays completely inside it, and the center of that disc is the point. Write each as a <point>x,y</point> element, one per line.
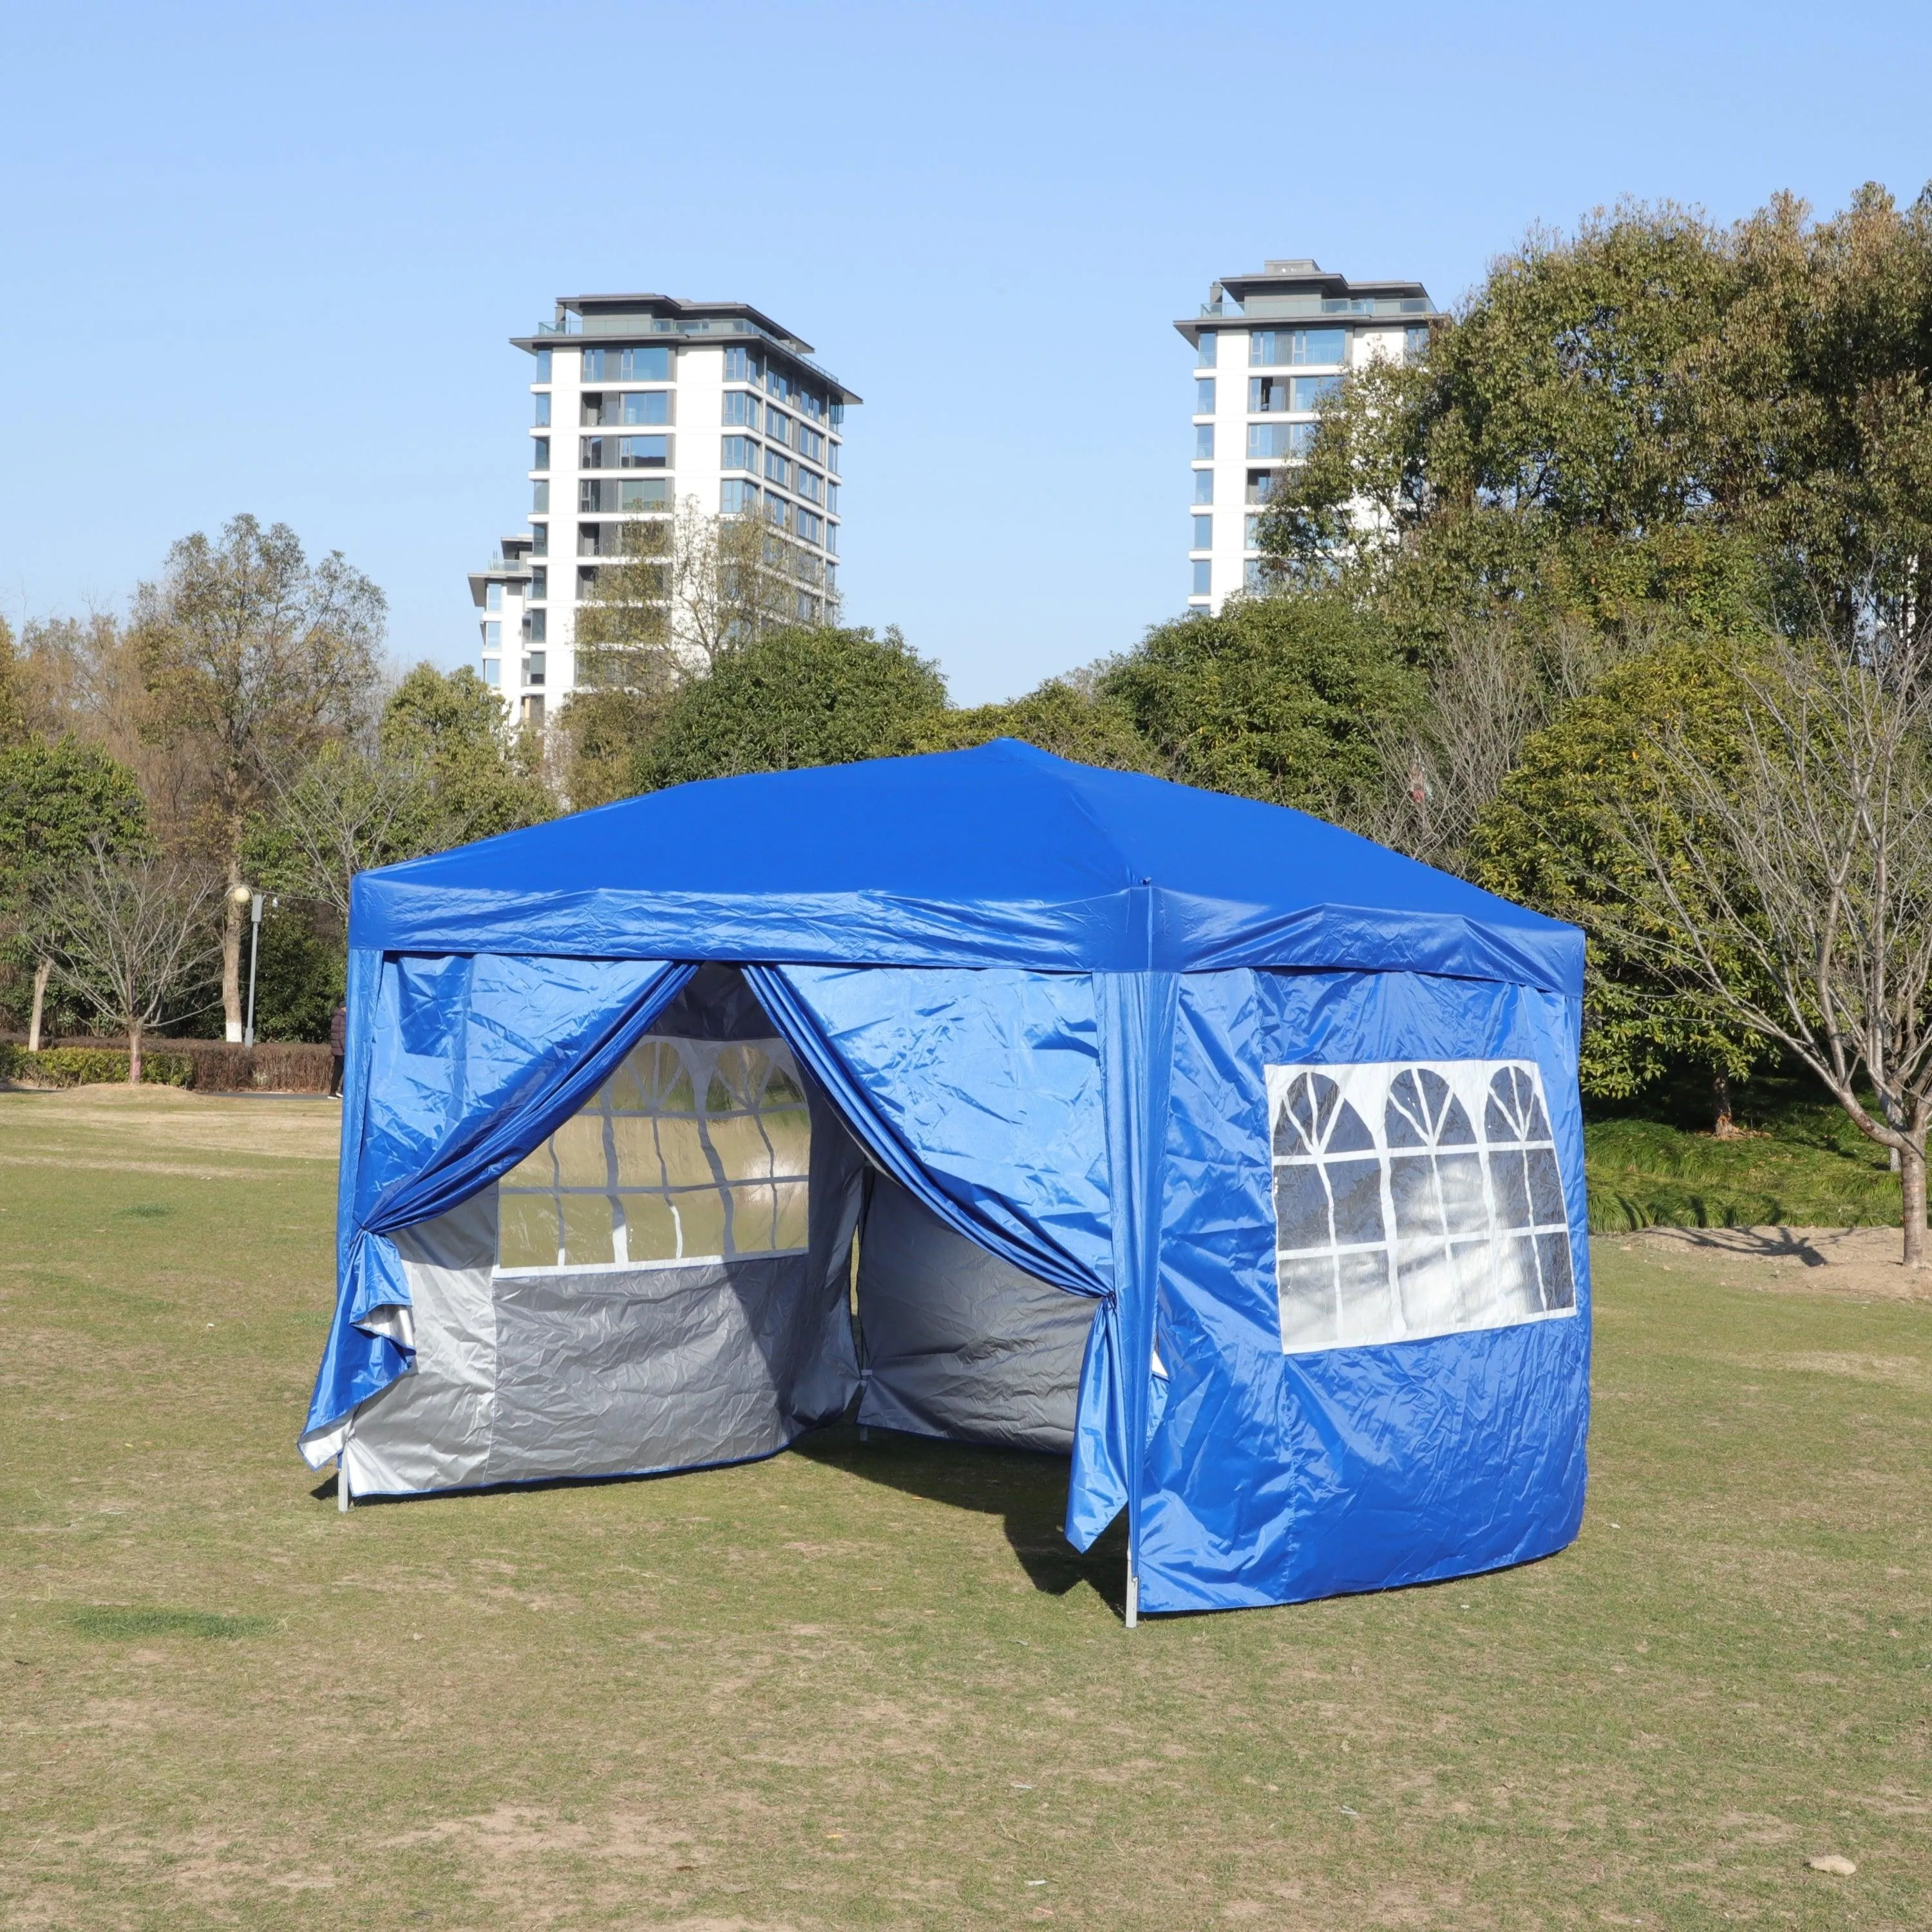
<point>1726,1128</point>
<point>231,958</point>
<point>41,975</point>
<point>1911,1189</point>
<point>134,1056</point>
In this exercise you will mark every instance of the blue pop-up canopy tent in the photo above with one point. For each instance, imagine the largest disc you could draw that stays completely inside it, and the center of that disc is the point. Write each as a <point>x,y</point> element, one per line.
<point>1235,1156</point>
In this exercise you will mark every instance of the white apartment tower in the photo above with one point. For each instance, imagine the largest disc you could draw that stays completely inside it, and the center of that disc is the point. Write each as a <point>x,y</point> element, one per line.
<point>1268,347</point>
<point>639,403</point>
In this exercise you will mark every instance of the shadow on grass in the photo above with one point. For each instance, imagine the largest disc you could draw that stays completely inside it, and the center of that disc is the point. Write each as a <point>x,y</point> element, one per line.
<point>1027,1490</point>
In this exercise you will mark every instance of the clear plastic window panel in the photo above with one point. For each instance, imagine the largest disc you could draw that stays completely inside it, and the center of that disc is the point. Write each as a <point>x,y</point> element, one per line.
<point>693,1150</point>
<point>1414,1198</point>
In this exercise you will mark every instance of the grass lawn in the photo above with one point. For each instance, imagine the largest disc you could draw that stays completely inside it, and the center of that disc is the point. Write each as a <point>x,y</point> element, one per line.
<point>867,1685</point>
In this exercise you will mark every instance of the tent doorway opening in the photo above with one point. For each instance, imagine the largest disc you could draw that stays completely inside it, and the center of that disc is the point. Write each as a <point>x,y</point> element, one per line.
<point>700,1267</point>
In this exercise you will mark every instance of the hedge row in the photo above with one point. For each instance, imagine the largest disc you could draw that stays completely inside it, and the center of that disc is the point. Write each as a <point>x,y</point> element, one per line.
<point>92,1066</point>
<point>210,1066</point>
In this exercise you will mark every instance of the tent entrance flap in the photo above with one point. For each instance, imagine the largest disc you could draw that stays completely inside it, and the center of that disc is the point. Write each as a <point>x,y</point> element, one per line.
<point>957,1342</point>
<point>661,1284</point>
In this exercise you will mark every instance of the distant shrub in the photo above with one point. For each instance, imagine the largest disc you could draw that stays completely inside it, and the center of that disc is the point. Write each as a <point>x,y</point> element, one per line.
<point>92,1066</point>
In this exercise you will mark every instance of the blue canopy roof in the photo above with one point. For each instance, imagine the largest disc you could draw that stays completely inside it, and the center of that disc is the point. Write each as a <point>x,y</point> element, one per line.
<point>1001,856</point>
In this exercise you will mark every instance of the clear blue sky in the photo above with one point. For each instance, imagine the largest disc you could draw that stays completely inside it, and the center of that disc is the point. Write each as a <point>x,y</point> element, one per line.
<point>266,257</point>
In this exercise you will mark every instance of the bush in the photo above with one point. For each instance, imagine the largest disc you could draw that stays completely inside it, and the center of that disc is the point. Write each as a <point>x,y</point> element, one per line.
<point>209,1067</point>
<point>92,1066</point>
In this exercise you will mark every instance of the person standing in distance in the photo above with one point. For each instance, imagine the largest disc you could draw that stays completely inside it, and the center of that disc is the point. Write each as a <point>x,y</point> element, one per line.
<point>338,1040</point>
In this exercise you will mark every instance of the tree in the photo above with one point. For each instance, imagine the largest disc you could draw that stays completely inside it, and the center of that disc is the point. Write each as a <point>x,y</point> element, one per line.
<point>1066,715</point>
<point>1555,836</point>
<point>687,588</point>
<point>791,697</point>
<point>1280,698</point>
<point>125,935</point>
<point>60,803</point>
<point>254,657</point>
<point>443,769</point>
<point>1808,860</point>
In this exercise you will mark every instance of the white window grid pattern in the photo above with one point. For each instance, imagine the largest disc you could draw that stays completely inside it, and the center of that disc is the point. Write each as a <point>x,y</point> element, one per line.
<point>694,1151</point>
<point>1414,1198</point>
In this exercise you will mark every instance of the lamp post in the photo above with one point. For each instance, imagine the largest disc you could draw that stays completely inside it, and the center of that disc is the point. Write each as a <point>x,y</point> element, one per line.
<point>248,896</point>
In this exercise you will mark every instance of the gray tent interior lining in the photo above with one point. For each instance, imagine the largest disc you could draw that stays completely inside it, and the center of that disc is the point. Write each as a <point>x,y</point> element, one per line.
<point>543,1374</point>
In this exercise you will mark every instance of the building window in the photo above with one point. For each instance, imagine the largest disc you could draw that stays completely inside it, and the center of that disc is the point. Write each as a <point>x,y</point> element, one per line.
<point>777,470</point>
<point>532,715</point>
<point>1204,397</point>
<point>809,527</point>
<point>539,584</point>
<point>741,407</point>
<point>534,626</point>
<point>1204,440</point>
<point>493,635</point>
<point>1251,528</point>
<point>1267,395</point>
<point>643,452</point>
<point>1204,578</point>
<point>739,452</point>
<point>1281,438</point>
<point>539,452</point>
<point>1414,344</point>
<point>492,672</point>
<point>811,485</point>
<point>540,498</point>
<point>1204,486</point>
<point>1261,485</point>
<point>1203,532</point>
<point>543,410</point>
<point>735,495</point>
<point>742,364</point>
<point>811,443</point>
<point>1311,391</point>
<point>778,512</point>
<point>777,427</point>
<point>533,668</point>
<point>543,365</point>
<point>492,597</point>
<point>694,1151</point>
<point>831,498</point>
<point>1414,1200</point>
<point>651,364</point>
<point>1254,574</point>
<point>644,406</point>
<point>648,493</point>
<point>1203,354</point>
<point>1275,348</point>
<point>539,539</point>
<point>831,545</point>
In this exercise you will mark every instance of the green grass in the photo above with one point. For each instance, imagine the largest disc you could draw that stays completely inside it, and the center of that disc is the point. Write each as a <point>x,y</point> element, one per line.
<point>867,1685</point>
<point>1802,1165</point>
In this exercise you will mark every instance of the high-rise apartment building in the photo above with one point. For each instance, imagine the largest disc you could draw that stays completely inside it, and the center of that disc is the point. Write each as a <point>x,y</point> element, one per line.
<point>1268,347</point>
<point>640,404</point>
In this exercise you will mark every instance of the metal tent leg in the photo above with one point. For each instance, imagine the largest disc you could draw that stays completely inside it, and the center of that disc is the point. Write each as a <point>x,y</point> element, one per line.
<point>1133,1596</point>
<point>342,1480</point>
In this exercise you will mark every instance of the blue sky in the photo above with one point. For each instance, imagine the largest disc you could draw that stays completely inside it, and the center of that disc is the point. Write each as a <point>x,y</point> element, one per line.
<point>266,257</point>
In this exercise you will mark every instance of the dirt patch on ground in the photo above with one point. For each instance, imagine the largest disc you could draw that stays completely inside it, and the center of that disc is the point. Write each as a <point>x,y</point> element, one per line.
<point>1862,1262</point>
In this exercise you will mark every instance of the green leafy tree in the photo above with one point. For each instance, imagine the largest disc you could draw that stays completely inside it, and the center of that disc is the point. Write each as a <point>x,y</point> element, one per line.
<point>1280,698</point>
<point>1066,716</point>
<point>790,698</point>
<point>62,803</point>
<point>1558,836</point>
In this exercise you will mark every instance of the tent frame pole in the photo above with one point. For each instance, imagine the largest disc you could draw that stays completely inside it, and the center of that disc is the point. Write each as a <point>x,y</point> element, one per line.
<point>1133,1595</point>
<point>342,1480</point>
